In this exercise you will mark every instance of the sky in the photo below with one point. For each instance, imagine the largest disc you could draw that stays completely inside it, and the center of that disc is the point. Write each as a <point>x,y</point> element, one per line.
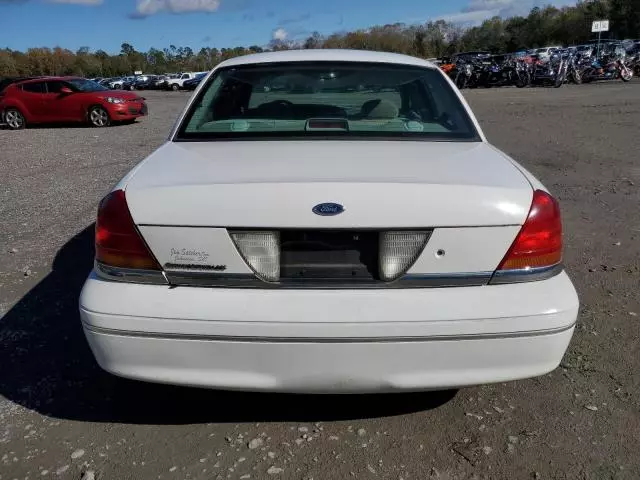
<point>106,24</point>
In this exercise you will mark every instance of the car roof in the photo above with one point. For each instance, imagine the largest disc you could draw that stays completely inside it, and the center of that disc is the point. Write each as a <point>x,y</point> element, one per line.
<point>327,55</point>
<point>6,81</point>
<point>49,78</point>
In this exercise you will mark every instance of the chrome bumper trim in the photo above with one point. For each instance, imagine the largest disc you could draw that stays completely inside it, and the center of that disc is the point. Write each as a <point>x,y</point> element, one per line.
<point>248,339</point>
<point>526,275</point>
<point>129,275</point>
<point>208,279</point>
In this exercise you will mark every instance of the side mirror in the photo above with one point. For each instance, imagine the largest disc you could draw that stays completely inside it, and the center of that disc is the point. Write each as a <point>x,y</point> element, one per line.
<point>66,90</point>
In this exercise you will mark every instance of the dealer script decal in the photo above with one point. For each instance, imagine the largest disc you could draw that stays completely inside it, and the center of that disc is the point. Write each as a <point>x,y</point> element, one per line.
<point>185,255</point>
<point>191,259</point>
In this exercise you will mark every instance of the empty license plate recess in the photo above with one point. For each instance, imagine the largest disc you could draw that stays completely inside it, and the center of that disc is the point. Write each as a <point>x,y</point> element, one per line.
<point>329,255</point>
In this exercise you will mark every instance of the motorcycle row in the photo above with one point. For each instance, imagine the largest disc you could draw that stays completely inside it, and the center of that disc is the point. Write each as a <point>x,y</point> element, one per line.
<point>548,68</point>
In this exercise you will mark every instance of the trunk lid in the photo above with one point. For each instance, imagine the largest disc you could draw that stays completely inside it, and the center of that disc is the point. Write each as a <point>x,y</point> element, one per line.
<point>276,184</point>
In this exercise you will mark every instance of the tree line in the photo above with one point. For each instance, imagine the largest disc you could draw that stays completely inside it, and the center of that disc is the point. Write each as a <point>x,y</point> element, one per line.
<point>541,27</point>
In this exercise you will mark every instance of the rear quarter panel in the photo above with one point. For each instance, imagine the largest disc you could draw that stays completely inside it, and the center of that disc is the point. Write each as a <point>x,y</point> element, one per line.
<point>13,98</point>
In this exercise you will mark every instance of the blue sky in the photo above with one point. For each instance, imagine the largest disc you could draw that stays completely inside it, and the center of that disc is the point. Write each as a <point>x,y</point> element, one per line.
<point>105,24</point>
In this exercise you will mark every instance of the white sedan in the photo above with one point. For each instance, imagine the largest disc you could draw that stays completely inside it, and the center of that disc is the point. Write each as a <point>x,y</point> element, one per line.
<point>328,221</point>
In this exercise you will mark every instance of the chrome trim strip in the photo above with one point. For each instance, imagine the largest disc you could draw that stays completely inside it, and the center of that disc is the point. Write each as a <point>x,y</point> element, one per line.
<point>365,229</point>
<point>225,280</point>
<point>501,277</point>
<point>231,338</point>
<point>130,275</point>
<point>207,278</point>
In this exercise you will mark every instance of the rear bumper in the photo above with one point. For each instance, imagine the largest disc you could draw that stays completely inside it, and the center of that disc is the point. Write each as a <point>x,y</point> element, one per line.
<point>329,341</point>
<point>320,367</point>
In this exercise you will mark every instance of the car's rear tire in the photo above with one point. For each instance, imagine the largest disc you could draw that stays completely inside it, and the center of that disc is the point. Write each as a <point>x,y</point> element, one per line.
<point>98,117</point>
<point>14,119</point>
<point>175,87</point>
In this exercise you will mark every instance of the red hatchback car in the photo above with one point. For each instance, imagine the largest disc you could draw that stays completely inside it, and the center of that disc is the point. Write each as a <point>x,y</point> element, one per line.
<point>67,99</point>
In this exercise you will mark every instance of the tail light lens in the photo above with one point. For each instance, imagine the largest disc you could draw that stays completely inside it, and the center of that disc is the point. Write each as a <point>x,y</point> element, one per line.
<point>118,242</point>
<point>398,251</point>
<point>261,250</point>
<point>539,243</point>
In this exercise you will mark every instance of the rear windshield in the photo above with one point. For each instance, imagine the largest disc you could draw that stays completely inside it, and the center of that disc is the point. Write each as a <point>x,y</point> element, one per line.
<point>320,99</point>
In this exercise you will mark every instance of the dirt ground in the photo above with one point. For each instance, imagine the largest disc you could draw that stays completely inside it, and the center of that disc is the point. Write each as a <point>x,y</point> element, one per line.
<point>62,417</point>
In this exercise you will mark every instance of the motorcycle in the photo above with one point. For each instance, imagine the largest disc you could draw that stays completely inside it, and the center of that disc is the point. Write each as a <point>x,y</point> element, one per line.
<point>607,69</point>
<point>499,72</point>
<point>522,72</point>
<point>574,69</point>
<point>464,75</point>
<point>553,71</point>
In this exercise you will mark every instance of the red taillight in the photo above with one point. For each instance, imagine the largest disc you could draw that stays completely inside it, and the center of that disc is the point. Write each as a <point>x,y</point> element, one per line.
<point>118,242</point>
<point>539,243</point>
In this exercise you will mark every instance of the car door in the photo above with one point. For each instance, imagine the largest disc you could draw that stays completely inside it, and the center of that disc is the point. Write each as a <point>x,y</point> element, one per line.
<point>60,106</point>
<point>32,97</point>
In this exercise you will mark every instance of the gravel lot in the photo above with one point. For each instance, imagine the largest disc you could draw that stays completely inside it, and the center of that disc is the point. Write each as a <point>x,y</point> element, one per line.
<point>61,416</point>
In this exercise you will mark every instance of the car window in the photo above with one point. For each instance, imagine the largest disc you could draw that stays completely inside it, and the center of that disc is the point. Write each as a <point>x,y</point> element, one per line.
<point>84,85</point>
<point>55,86</point>
<point>186,75</point>
<point>33,87</point>
<point>306,99</point>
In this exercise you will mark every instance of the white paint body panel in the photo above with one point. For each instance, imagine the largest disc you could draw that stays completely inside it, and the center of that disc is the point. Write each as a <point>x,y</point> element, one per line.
<point>195,246</point>
<point>276,184</point>
<point>472,249</point>
<point>203,317</point>
<point>329,368</point>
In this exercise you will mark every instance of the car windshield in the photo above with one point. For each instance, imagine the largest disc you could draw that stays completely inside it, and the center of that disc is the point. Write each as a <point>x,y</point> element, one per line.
<point>86,85</point>
<point>327,99</point>
<point>541,50</point>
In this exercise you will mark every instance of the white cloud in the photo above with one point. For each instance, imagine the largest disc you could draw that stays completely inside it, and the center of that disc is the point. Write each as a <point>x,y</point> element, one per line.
<point>482,5</point>
<point>471,18</point>
<point>78,2</point>
<point>280,34</point>
<point>144,8</point>
<point>477,11</point>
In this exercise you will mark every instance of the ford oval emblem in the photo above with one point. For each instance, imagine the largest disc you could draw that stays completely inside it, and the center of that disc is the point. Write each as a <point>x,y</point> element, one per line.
<point>328,209</point>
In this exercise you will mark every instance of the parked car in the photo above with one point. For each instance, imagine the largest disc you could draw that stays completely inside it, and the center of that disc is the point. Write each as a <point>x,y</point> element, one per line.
<point>67,99</point>
<point>107,81</point>
<point>546,53</point>
<point>122,83</point>
<point>129,84</point>
<point>158,82</point>
<point>178,83</point>
<point>167,78</point>
<point>116,83</point>
<point>352,245</point>
<point>194,82</point>
<point>143,82</point>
